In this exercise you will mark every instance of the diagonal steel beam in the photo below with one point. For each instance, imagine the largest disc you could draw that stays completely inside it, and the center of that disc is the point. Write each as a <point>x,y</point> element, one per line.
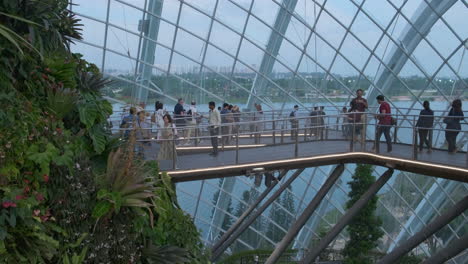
<point>449,252</point>
<point>349,215</point>
<point>244,215</point>
<point>217,253</point>
<point>300,222</point>
<point>426,232</point>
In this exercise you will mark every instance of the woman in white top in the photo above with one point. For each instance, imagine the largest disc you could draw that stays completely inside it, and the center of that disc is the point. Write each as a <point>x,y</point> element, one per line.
<point>158,118</point>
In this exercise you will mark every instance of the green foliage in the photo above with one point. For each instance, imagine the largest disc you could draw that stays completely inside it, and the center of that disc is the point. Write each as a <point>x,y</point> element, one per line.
<point>248,255</point>
<point>183,233</point>
<point>165,255</point>
<point>410,259</point>
<point>364,229</point>
<point>67,195</point>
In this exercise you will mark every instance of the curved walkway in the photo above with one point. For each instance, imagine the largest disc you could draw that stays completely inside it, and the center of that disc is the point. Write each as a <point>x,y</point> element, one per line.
<point>194,163</point>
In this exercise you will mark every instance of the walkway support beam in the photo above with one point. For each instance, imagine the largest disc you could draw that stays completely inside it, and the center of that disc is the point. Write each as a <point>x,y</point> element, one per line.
<point>217,253</point>
<point>426,232</point>
<point>150,28</point>
<point>301,221</point>
<point>349,215</point>
<point>423,20</point>
<point>274,44</point>
<point>449,252</point>
<point>247,213</point>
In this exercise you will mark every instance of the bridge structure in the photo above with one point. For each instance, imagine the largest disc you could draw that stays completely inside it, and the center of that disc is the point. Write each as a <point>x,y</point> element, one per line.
<point>275,145</point>
<point>159,53</point>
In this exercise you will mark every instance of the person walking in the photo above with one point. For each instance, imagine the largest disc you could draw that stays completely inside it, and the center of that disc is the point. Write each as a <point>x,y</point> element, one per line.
<point>179,114</point>
<point>344,122</point>
<point>359,106</point>
<point>314,122</point>
<point>158,118</point>
<point>143,133</point>
<point>192,117</point>
<point>453,125</point>
<point>236,115</point>
<point>258,118</point>
<point>425,122</point>
<point>385,121</point>
<point>128,122</point>
<point>321,118</point>
<point>168,132</point>
<point>294,122</point>
<point>226,121</point>
<point>214,121</point>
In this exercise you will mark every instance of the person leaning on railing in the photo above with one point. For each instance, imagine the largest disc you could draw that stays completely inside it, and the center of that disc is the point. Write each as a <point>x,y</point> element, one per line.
<point>453,125</point>
<point>424,125</point>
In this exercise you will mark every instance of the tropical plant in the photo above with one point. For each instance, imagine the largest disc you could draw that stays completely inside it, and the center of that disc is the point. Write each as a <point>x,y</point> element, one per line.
<point>126,183</point>
<point>364,230</point>
<point>165,255</point>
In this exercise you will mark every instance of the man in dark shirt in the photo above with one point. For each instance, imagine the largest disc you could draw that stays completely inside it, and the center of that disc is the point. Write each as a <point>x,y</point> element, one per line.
<point>385,121</point>
<point>179,113</point>
<point>358,106</point>
<point>314,122</point>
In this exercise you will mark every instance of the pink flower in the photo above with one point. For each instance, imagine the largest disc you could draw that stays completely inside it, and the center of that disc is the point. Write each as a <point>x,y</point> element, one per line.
<point>36,212</point>
<point>26,189</point>
<point>19,197</point>
<point>7,204</point>
<point>45,177</point>
<point>39,197</point>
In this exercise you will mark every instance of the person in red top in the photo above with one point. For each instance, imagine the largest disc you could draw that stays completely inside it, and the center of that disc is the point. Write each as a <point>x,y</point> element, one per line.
<point>385,121</point>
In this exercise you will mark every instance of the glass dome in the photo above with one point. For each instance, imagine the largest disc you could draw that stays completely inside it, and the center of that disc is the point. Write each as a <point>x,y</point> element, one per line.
<point>281,53</point>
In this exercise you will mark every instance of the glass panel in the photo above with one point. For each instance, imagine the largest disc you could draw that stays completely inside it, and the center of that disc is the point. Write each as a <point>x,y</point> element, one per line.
<point>224,38</point>
<point>257,32</point>
<point>124,16</point>
<point>90,53</point>
<point>366,30</point>
<point>94,36</point>
<point>343,11</point>
<point>189,45</point>
<point>265,11</point>
<point>122,42</point>
<point>330,30</point>
<point>355,52</point>
<point>375,8</point>
<point>194,21</point>
<point>231,15</point>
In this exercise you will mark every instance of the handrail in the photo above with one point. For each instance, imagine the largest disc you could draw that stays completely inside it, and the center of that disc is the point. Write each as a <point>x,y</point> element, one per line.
<point>286,131</point>
<point>308,118</point>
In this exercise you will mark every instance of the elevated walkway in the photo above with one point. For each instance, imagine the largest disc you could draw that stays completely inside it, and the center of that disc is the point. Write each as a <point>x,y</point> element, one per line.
<point>195,164</point>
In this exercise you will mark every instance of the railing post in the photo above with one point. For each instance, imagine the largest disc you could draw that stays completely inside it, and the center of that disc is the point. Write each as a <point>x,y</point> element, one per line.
<point>173,153</point>
<point>222,135</point>
<point>237,147</point>
<point>305,131</point>
<point>326,127</point>
<point>196,135</point>
<point>274,132</point>
<point>282,133</point>
<point>415,140</point>
<point>351,146</point>
<point>296,145</point>
<point>377,140</point>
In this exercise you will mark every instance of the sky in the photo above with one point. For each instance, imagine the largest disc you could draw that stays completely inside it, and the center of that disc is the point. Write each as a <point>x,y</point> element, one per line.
<point>125,16</point>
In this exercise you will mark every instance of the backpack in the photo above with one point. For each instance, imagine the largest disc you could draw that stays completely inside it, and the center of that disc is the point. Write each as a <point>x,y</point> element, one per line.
<point>291,114</point>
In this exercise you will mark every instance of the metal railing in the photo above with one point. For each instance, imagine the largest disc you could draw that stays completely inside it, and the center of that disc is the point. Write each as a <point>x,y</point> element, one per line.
<point>293,131</point>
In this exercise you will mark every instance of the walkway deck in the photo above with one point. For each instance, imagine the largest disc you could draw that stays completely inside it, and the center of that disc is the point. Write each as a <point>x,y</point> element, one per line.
<point>194,163</point>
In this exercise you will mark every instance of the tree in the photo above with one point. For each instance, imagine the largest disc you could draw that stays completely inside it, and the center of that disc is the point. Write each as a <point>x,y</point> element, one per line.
<point>364,229</point>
